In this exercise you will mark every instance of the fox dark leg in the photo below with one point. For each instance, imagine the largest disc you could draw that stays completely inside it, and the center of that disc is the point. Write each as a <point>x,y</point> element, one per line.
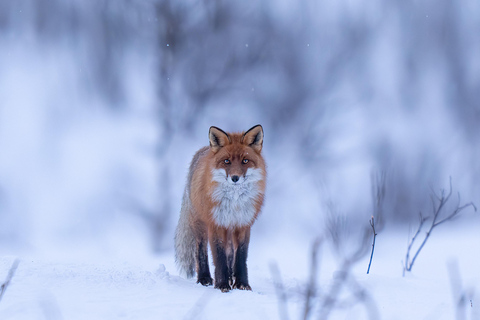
<point>203,271</point>
<point>230,258</point>
<point>241,239</point>
<point>201,256</point>
<point>218,244</point>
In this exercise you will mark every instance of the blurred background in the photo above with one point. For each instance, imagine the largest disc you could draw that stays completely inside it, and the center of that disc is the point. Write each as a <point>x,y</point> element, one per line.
<point>103,103</point>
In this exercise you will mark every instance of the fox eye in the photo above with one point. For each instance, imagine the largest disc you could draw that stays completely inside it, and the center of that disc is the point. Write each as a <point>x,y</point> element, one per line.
<point>245,161</point>
<point>226,161</point>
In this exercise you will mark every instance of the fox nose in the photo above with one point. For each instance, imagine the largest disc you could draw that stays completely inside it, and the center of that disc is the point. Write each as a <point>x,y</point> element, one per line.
<point>235,178</point>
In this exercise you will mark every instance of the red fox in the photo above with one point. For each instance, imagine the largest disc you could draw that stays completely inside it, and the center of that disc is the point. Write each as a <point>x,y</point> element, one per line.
<point>223,196</point>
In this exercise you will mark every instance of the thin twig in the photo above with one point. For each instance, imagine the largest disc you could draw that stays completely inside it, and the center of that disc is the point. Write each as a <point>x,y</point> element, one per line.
<point>378,182</point>
<point>361,295</point>
<point>282,296</point>
<point>459,293</point>
<point>442,200</point>
<point>456,211</point>
<point>378,197</point>
<point>10,275</point>
<point>408,265</point>
<point>311,288</point>
<point>372,223</point>
<point>331,300</point>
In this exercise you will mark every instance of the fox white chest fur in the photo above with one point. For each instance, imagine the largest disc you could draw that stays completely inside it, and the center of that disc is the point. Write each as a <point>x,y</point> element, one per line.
<point>235,201</point>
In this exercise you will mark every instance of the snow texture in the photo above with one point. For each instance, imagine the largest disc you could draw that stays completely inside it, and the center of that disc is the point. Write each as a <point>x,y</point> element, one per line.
<point>91,286</point>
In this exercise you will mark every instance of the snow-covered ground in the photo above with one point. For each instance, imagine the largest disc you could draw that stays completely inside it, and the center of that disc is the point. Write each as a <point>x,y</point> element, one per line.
<point>88,284</point>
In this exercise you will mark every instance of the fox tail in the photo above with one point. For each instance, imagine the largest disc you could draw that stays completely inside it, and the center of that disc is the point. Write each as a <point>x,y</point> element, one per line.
<point>185,243</point>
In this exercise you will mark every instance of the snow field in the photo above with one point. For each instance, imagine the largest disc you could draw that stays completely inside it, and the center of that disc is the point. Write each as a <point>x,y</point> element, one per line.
<point>149,288</point>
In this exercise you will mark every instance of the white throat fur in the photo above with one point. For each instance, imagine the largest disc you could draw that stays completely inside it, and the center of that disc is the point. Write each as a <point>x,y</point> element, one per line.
<point>235,201</point>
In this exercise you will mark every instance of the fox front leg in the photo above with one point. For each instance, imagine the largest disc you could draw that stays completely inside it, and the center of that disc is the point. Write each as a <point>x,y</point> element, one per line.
<point>218,243</point>
<point>203,271</point>
<point>241,239</point>
<point>230,259</point>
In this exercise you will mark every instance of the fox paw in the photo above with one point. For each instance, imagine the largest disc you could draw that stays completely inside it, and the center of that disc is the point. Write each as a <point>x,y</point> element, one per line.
<point>224,287</point>
<point>242,286</point>
<point>205,281</point>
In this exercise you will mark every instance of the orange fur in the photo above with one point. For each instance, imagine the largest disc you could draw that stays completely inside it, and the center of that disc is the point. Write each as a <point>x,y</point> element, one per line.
<point>223,198</point>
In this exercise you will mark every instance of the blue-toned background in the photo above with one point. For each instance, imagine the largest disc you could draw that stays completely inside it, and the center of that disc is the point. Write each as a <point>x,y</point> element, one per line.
<point>103,104</point>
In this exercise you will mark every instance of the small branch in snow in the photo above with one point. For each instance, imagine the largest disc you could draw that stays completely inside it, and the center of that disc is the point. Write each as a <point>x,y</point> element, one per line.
<point>437,209</point>
<point>345,292</point>
<point>10,275</point>
<point>332,299</point>
<point>311,287</point>
<point>280,290</point>
<point>378,197</point>
<point>372,223</point>
<point>460,294</point>
<point>410,244</point>
<point>378,182</point>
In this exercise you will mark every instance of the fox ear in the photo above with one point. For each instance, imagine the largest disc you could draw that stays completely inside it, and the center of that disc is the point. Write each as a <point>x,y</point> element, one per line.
<point>254,138</point>
<point>218,138</point>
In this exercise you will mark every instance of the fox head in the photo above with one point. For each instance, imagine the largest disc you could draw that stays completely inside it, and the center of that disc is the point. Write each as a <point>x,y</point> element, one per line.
<point>236,153</point>
<point>239,176</point>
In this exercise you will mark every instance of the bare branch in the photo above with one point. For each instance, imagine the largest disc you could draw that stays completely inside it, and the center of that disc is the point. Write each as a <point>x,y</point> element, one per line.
<point>362,295</point>
<point>10,275</point>
<point>378,197</point>
<point>372,223</point>
<point>455,213</point>
<point>408,266</point>
<point>378,181</point>
<point>280,290</point>
<point>331,300</point>
<point>437,210</point>
<point>362,248</point>
<point>461,296</point>
<point>311,287</point>
<point>336,225</point>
